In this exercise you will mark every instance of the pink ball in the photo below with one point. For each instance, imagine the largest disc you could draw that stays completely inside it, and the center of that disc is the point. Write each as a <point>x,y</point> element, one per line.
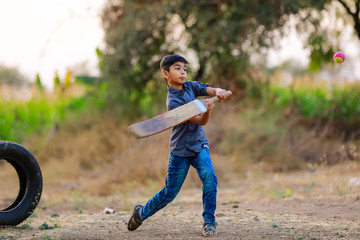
<point>339,57</point>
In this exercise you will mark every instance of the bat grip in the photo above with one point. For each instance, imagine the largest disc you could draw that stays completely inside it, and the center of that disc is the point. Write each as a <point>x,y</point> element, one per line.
<point>216,98</point>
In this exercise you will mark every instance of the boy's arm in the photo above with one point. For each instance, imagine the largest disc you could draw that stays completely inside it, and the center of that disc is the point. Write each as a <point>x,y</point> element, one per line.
<point>203,118</point>
<point>221,93</point>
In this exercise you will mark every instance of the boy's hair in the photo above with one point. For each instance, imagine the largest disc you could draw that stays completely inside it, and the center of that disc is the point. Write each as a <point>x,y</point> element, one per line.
<point>169,60</point>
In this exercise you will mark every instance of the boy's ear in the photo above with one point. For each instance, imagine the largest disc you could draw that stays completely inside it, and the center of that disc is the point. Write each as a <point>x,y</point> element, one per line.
<point>165,73</point>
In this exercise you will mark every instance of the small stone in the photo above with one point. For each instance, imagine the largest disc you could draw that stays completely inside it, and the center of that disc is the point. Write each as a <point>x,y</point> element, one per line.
<point>219,214</point>
<point>109,211</point>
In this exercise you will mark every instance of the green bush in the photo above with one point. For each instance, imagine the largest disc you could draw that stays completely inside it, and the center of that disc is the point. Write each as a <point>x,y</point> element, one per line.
<point>19,120</point>
<point>340,103</point>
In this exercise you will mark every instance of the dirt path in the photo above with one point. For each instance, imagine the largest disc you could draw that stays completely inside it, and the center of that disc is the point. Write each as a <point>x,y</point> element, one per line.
<point>321,204</point>
<point>335,218</point>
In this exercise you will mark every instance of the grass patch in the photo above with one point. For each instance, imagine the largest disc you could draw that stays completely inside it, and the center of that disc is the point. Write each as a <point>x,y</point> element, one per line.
<point>341,102</point>
<point>33,216</point>
<point>46,226</point>
<point>26,226</point>
<point>286,193</point>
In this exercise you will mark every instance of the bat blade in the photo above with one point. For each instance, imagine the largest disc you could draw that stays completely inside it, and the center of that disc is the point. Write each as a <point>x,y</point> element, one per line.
<point>168,119</point>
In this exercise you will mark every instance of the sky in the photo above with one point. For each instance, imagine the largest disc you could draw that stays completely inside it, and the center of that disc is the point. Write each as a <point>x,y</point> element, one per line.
<point>42,36</point>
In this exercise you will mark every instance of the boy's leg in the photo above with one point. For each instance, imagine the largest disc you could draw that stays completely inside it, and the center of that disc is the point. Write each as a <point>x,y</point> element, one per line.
<point>177,170</point>
<point>202,164</point>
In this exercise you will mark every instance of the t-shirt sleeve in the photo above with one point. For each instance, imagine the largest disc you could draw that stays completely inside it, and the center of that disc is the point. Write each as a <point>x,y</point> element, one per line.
<point>172,104</point>
<point>199,88</point>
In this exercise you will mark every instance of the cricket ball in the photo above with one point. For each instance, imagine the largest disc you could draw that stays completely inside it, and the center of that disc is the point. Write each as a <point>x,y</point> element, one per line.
<point>339,57</point>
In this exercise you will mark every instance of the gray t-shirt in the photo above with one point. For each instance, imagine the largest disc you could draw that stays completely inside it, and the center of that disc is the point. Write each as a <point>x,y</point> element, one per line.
<point>188,138</point>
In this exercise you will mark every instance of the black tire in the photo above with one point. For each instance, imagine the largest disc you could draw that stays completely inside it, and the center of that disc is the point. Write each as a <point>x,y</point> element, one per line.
<point>30,183</point>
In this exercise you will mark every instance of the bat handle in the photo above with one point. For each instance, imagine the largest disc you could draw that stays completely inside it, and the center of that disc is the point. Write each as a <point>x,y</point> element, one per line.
<point>216,98</point>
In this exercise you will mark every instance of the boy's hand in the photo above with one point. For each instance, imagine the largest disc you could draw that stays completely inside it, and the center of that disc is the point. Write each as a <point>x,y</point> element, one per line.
<point>209,104</point>
<point>221,94</point>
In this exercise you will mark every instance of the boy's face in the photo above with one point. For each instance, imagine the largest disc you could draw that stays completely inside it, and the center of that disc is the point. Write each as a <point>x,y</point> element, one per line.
<point>176,76</point>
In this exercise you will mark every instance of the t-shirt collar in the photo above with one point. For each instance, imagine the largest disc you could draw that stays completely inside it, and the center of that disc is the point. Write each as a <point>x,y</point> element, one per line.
<point>177,91</point>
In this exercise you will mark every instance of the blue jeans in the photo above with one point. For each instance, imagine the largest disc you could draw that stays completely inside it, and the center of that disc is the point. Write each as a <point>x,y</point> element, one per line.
<point>177,171</point>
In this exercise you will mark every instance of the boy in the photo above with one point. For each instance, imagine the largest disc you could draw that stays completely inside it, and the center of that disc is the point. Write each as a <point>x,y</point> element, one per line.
<point>188,146</point>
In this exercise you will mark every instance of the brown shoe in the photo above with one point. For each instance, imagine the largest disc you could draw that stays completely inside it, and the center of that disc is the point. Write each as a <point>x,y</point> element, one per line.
<point>209,230</point>
<point>135,220</point>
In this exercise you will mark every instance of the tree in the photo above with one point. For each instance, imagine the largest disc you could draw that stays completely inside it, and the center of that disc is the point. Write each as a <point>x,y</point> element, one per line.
<point>134,35</point>
<point>353,9</point>
<point>12,76</point>
<point>222,35</point>
<point>225,34</point>
<point>324,40</point>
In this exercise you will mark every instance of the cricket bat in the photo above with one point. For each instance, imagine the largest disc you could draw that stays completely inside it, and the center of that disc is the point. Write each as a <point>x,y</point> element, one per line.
<point>170,119</point>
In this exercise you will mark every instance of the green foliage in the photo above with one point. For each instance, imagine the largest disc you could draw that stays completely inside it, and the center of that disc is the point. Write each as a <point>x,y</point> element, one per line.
<point>324,28</point>
<point>340,103</point>
<point>346,103</point>
<point>135,31</point>
<point>22,119</point>
<point>87,80</point>
<point>225,35</point>
<point>320,53</point>
<point>46,226</point>
<point>323,45</point>
<point>285,193</point>
<point>38,83</point>
<point>57,82</point>
<point>55,215</point>
<point>26,226</point>
<point>221,36</point>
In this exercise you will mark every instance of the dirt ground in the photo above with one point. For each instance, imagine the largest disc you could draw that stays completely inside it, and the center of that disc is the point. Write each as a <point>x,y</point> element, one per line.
<point>277,219</point>
<point>320,204</point>
<point>283,219</point>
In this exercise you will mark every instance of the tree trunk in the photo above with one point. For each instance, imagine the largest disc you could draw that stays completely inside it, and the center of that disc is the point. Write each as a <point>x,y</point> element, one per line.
<point>355,15</point>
